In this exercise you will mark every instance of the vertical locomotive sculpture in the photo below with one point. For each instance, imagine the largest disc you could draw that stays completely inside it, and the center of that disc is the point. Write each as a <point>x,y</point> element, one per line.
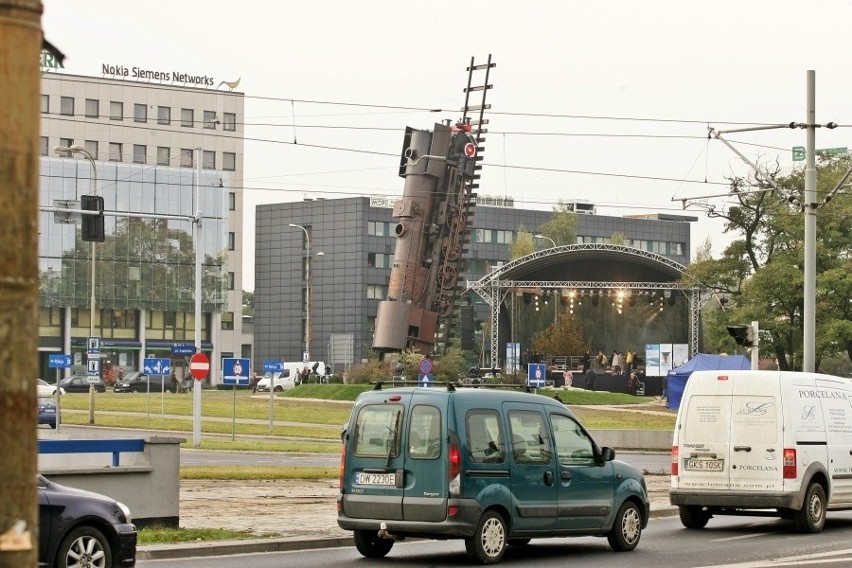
<point>439,168</point>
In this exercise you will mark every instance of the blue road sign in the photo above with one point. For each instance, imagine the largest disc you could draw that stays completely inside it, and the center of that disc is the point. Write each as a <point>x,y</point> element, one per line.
<point>424,380</point>
<point>273,366</point>
<point>425,366</point>
<point>181,349</point>
<point>235,372</point>
<point>536,373</point>
<point>93,344</point>
<point>157,367</point>
<point>58,361</point>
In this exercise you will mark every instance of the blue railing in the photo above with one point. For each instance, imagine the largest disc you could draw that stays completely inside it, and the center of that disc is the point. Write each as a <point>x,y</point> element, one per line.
<point>114,447</point>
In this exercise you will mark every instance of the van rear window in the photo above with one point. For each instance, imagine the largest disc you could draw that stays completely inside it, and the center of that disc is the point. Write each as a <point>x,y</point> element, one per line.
<point>424,432</point>
<point>377,430</point>
<point>709,417</point>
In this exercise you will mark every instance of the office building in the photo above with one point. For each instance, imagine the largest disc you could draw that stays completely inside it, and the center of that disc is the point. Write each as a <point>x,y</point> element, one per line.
<point>349,244</point>
<point>141,134</point>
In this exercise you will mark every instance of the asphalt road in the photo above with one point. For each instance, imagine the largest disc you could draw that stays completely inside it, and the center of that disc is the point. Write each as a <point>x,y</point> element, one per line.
<point>727,542</point>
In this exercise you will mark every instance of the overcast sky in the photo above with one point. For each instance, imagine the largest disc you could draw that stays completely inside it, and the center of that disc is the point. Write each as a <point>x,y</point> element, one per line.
<point>607,102</point>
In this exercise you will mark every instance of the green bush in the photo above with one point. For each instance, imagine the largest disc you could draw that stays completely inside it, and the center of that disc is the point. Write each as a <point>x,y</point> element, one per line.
<point>369,372</point>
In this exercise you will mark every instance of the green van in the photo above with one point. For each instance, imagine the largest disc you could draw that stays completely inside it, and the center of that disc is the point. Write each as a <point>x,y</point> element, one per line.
<point>494,468</point>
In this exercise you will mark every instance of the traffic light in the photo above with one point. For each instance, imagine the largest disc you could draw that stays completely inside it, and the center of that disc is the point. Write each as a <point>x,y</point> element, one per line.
<point>742,334</point>
<point>93,225</point>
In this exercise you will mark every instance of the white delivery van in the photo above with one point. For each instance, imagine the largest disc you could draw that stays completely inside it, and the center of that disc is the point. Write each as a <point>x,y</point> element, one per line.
<point>764,443</point>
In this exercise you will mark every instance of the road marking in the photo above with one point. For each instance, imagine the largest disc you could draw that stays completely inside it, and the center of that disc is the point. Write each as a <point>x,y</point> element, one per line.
<point>832,557</point>
<point>741,537</point>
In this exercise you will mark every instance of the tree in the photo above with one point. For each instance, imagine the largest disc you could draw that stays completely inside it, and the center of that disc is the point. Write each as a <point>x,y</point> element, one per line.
<point>248,303</point>
<point>562,337</point>
<point>522,245</point>
<point>562,227</point>
<point>761,272</point>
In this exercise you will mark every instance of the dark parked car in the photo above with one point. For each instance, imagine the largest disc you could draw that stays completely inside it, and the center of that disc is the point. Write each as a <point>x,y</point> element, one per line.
<point>80,383</point>
<point>47,412</point>
<point>80,528</point>
<point>137,382</point>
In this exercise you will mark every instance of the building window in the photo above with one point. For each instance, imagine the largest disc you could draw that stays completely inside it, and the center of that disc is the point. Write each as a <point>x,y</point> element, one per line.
<point>163,157</point>
<point>230,281</point>
<point>378,260</point>
<point>185,158</point>
<point>227,320</point>
<point>114,152</point>
<point>229,161</point>
<point>229,121</point>
<point>210,119</point>
<point>139,154</point>
<point>232,201</point>
<point>378,229</point>
<point>45,104</point>
<point>93,108</point>
<point>66,106</point>
<point>91,147</point>
<point>187,117</point>
<point>116,110</point>
<point>208,160</point>
<point>376,292</point>
<point>45,147</point>
<point>66,143</point>
<point>140,113</point>
<point>164,115</point>
<point>232,241</point>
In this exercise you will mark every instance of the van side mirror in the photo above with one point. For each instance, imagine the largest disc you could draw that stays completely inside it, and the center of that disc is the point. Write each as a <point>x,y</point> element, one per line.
<point>607,454</point>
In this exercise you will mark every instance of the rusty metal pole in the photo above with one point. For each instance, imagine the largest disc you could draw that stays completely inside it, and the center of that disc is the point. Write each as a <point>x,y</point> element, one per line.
<point>20,86</point>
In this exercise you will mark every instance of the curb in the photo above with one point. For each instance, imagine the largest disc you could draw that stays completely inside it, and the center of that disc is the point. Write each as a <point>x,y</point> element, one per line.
<point>224,548</point>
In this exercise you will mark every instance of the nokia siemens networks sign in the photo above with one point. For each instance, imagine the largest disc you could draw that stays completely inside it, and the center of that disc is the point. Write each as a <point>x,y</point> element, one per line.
<point>151,75</point>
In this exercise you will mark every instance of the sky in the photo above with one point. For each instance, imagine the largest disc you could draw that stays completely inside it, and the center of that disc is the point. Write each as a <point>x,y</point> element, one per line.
<point>607,102</point>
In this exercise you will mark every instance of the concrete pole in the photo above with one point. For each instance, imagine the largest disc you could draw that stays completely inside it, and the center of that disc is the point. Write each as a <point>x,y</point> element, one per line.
<point>755,345</point>
<point>810,205</point>
<point>199,256</point>
<point>20,86</point>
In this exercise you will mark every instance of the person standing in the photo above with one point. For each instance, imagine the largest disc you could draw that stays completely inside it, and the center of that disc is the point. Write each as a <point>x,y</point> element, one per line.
<point>628,363</point>
<point>587,359</point>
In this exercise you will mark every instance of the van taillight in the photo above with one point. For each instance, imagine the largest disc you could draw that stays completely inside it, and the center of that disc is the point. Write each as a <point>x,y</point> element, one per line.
<point>454,470</point>
<point>342,467</point>
<point>675,453</point>
<point>789,463</point>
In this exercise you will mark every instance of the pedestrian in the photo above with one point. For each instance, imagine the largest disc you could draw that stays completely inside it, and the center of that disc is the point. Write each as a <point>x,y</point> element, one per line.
<point>253,382</point>
<point>587,359</point>
<point>175,385</point>
<point>628,363</point>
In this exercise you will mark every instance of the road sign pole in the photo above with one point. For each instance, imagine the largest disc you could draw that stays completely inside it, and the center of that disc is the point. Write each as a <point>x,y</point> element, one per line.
<point>58,399</point>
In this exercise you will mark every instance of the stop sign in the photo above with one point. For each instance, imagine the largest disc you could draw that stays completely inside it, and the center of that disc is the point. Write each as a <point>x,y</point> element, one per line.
<point>199,366</point>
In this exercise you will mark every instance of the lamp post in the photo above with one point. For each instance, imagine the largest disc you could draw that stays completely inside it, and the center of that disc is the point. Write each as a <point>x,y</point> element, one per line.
<point>307,291</point>
<point>544,237</point>
<point>77,149</point>
<point>558,292</point>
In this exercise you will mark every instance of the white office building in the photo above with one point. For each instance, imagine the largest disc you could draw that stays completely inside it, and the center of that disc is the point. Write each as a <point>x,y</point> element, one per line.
<point>141,131</point>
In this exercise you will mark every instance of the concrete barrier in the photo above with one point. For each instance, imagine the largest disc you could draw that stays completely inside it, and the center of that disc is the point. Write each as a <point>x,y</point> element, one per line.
<point>142,473</point>
<point>655,440</point>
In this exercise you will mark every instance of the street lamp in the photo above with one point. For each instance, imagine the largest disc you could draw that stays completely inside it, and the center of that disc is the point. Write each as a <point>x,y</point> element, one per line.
<point>307,291</point>
<point>65,151</point>
<point>544,237</point>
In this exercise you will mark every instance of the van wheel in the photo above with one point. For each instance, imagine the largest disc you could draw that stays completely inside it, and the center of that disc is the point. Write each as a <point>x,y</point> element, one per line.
<point>811,517</point>
<point>370,545</point>
<point>626,529</point>
<point>488,543</point>
<point>693,517</point>
<point>279,389</point>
